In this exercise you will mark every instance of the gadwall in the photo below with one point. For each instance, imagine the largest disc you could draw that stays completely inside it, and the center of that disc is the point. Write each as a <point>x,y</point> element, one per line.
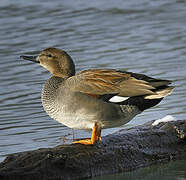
<point>95,98</point>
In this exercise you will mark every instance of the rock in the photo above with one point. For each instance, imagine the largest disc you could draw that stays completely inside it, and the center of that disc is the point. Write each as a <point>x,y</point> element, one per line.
<point>125,150</point>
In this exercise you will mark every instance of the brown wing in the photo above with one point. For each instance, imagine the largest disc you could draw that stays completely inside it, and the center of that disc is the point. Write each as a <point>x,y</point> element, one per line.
<point>108,81</point>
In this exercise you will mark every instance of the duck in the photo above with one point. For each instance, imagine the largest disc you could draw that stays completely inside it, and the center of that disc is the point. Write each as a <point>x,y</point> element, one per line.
<point>95,99</point>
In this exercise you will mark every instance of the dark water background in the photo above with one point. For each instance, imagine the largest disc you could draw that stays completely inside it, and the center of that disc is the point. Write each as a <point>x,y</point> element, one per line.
<point>138,35</point>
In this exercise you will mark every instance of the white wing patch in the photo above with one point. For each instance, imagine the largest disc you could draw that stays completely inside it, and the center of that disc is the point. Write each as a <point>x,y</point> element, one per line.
<point>116,99</point>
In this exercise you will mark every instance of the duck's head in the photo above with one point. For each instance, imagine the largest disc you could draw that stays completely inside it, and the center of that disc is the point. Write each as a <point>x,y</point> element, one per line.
<point>57,61</point>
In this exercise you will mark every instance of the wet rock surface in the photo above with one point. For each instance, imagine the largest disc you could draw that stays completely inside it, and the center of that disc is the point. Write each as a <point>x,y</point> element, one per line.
<point>125,150</point>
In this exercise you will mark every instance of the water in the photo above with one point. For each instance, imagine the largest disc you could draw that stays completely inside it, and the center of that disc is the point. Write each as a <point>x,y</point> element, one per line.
<point>171,171</point>
<point>137,35</point>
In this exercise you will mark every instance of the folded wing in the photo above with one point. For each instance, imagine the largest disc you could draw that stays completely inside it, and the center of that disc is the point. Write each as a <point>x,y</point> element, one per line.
<point>97,82</point>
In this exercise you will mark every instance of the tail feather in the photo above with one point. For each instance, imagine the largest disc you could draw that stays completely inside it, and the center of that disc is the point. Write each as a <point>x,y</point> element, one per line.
<point>148,101</point>
<point>161,93</point>
<point>160,90</point>
<point>159,83</point>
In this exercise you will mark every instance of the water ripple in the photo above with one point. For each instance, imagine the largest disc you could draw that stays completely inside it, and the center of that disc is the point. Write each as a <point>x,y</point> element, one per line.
<point>141,36</point>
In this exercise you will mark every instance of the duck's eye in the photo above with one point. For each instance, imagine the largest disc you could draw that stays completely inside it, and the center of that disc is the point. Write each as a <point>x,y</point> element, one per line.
<point>49,55</point>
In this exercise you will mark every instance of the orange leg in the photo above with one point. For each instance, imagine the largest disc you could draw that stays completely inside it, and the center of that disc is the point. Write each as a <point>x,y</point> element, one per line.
<point>96,136</point>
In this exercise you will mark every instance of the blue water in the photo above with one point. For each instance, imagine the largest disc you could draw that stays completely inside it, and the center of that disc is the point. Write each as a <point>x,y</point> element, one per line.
<point>137,35</point>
